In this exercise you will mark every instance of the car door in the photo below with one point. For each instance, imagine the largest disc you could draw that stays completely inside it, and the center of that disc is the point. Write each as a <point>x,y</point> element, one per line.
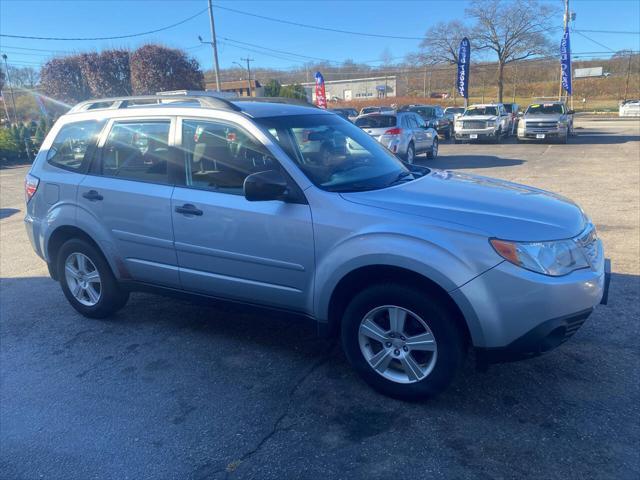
<point>258,252</point>
<point>127,191</point>
<point>424,129</point>
<point>419,134</point>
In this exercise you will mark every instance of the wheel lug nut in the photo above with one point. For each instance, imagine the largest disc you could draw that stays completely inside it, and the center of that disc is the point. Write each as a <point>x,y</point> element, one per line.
<point>396,352</point>
<point>388,344</point>
<point>405,348</point>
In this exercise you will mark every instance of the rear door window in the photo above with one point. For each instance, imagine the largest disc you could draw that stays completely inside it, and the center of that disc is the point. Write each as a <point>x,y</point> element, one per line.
<point>137,150</point>
<point>74,145</point>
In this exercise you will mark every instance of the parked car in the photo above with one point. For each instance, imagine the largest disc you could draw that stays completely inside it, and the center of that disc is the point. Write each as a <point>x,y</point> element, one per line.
<point>512,109</point>
<point>629,108</point>
<point>404,133</point>
<point>349,113</point>
<point>482,122</point>
<point>367,110</point>
<point>546,121</point>
<point>453,112</point>
<point>409,266</point>
<point>434,116</point>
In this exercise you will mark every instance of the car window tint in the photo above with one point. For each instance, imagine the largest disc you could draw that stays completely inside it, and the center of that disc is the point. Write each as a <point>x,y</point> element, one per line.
<point>219,156</point>
<point>376,121</point>
<point>137,151</point>
<point>71,146</point>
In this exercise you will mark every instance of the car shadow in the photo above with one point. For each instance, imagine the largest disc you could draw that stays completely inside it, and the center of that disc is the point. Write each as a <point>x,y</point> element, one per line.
<point>7,212</point>
<point>451,162</point>
<point>601,138</point>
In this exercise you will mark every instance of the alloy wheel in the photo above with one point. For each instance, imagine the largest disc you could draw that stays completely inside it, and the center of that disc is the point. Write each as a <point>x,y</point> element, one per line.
<point>397,344</point>
<point>83,279</point>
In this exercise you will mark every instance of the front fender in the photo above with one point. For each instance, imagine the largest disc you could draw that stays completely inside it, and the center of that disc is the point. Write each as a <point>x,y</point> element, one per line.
<point>430,258</point>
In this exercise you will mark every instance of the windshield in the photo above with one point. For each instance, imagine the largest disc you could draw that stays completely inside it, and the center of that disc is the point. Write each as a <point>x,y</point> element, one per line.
<point>546,109</point>
<point>334,153</point>
<point>473,111</point>
<point>424,112</point>
<point>376,121</point>
<point>454,110</point>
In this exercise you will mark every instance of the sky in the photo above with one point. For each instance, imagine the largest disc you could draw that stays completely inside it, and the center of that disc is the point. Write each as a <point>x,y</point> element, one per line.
<point>103,18</point>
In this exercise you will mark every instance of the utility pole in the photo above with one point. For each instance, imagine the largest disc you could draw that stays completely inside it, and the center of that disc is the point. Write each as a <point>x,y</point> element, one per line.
<point>214,44</point>
<point>565,23</point>
<point>429,90</point>
<point>248,74</point>
<point>13,97</point>
<point>424,83</point>
<point>626,85</point>
<point>482,101</point>
<point>515,82</point>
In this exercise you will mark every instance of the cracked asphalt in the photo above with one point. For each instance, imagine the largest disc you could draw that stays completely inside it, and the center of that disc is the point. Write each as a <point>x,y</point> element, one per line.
<point>170,389</point>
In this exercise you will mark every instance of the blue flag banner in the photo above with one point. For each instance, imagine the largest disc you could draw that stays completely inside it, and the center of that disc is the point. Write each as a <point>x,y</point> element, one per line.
<point>565,61</point>
<point>464,58</point>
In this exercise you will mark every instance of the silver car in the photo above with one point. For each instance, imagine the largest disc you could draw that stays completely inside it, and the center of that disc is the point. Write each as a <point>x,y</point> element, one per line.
<point>488,121</point>
<point>410,267</point>
<point>546,121</point>
<point>404,133</point>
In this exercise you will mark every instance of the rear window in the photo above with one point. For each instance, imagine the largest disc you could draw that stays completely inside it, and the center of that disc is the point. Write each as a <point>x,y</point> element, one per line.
<point>376,121</point>
<point>546,108</point>
<point>424,112</point>
<point>508,107</point>
<point>73,145</point>
<point>472,111</point>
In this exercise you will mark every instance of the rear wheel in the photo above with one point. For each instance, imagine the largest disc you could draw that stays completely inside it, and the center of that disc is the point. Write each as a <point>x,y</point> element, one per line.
<point>410,157</point>
<point>87,281</point>
<point>403,341</point>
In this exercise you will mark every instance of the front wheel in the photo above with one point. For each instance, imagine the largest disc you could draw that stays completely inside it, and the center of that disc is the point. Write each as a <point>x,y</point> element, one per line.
<point>449,133</point>
<point>403,341</point>
<point>411,154</point>
<point>87,281</point>
<point>433,153</point>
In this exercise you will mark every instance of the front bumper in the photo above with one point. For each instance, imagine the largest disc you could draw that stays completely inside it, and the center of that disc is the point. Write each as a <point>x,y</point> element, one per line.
<point>532,133</point>
<point>507,302</point>
<point>475,134</point>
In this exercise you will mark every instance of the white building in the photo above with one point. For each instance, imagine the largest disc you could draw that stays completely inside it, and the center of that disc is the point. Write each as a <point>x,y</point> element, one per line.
<point>358,88</point>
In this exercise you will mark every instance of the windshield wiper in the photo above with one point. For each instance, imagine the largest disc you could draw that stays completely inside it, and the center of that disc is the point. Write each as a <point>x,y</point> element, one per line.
<point>402,177</point>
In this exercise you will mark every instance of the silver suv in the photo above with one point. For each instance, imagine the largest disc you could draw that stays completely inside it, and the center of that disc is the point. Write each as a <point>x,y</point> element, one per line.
<point>410,266</point>
<point>404,133</point>
<point>546,121</point>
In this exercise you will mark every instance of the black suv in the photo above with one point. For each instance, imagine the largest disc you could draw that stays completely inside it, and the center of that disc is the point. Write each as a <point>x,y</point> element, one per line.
<point>434,116</point>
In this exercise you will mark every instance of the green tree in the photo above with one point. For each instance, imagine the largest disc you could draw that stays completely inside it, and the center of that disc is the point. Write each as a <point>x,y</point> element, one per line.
<point>294,91</point>
<point>8,147</point>
<point>272,88</point>
<point>39,136</point>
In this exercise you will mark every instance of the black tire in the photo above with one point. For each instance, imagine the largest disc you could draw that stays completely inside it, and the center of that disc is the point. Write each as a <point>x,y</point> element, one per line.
<point>410,156</point>
<point>441,321</point>
<point>433,152</point>
<point>448,133</point>
<point>498,138</point>
<point>112,296</point>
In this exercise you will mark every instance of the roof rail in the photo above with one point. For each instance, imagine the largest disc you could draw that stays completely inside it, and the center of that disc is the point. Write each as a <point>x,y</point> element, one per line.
<point>287,100</point>
<point>115,103</point>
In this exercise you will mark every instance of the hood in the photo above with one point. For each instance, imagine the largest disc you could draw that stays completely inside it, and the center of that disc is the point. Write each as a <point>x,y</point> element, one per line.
<point>499,208</point>
<point>541,118</point>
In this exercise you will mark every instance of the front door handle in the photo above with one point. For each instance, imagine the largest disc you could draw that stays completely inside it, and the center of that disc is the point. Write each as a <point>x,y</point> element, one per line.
<point>188,209</point>
<point>92,196</point>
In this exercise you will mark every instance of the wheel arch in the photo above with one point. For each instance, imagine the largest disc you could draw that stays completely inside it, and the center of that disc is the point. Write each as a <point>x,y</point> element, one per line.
<point>360,278</point>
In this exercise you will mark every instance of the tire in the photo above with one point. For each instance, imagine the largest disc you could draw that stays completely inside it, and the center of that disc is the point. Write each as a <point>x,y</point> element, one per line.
<point>410,156</point>
<point>433,152</point>
<point>110,296</point>
<point>439,367</point>
<point>565,139</point>
<point>448,133</point>
<point>498,138</point>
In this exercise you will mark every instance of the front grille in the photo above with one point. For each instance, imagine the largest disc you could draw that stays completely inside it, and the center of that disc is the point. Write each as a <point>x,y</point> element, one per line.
<point>474,124</point>
<point>588,241</point>
<point>543,125</point>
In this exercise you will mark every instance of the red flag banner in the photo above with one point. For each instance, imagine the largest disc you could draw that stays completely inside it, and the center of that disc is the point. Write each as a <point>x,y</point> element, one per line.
<point>321,98</point>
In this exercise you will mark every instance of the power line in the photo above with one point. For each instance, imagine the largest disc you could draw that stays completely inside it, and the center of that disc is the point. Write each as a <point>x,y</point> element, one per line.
<point>28,37</point>
<point>317,27</point>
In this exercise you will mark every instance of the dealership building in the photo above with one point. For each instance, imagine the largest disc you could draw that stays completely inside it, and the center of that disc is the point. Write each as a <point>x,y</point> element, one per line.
<point>359,88</point>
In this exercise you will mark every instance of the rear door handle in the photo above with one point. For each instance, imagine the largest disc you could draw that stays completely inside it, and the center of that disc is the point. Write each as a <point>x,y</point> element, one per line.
<point>92,196</point>
<point>188,209</point>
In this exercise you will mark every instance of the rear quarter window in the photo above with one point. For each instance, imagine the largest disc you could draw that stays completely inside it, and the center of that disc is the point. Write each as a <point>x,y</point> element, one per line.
<point>74,145</point>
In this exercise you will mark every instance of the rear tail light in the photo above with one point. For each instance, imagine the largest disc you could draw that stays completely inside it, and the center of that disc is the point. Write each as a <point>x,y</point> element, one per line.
<point>393,131</point>
<point>30,186</point>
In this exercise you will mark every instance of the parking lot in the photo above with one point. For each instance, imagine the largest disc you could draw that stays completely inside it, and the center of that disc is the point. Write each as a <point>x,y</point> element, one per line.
<point>172,389</point>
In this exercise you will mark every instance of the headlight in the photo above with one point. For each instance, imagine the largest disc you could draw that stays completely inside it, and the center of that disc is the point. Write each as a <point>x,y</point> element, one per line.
<point>562,123</point>
<point>549,258</point>
<point>458,124</point>
<point>429,134</point>
<point>491,123</point>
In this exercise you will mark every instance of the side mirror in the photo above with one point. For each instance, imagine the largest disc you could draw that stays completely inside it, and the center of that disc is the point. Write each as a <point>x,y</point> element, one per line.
<point>267,185</point>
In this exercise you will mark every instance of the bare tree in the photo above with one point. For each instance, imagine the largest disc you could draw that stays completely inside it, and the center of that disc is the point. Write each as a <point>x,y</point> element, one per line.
<point>24,77</point>
<point>513,30</point>
<point>441,43</point>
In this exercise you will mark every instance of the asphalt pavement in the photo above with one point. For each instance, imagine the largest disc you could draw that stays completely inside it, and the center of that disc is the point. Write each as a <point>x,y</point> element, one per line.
<point>170,389</point>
